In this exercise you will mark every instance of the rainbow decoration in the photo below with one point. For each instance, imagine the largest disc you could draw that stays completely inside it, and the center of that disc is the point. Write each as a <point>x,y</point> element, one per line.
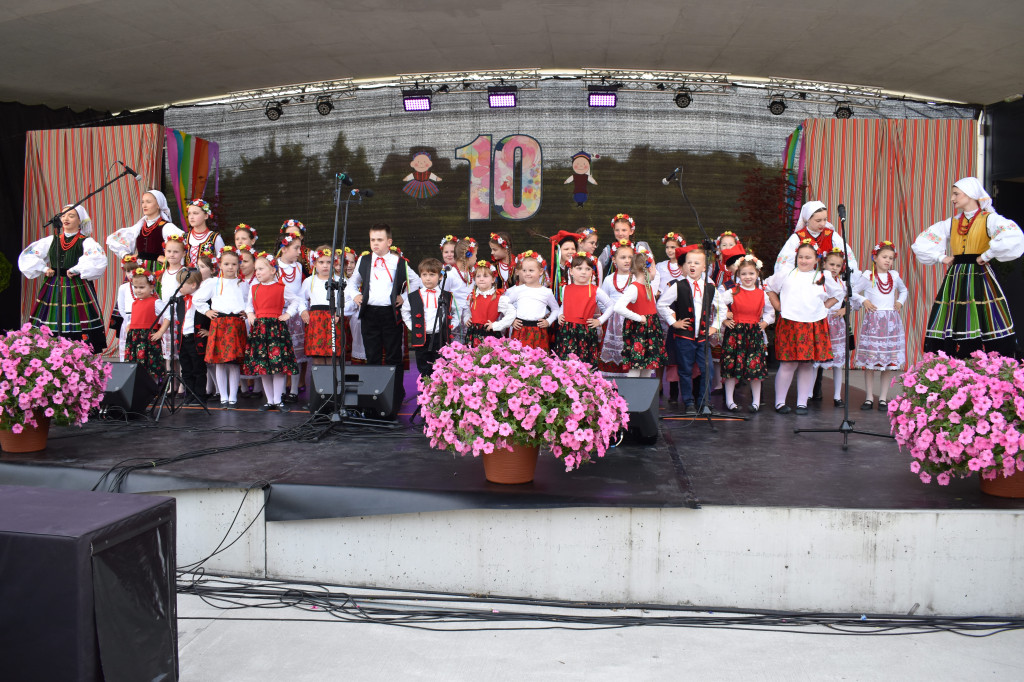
<point>190,160</point>
<point>793,164</point>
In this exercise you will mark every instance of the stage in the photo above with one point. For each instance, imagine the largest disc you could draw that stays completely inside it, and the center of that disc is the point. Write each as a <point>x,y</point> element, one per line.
<point>744,514</point>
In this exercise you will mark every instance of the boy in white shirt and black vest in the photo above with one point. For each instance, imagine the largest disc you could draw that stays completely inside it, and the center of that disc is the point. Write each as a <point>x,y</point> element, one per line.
<point>683,307</point>
<point>427,313</point>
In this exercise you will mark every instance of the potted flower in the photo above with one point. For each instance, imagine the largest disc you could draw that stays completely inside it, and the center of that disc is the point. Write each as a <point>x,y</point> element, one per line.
<point>503,399</point>
<point>45,378</point>
<point>961,416</point>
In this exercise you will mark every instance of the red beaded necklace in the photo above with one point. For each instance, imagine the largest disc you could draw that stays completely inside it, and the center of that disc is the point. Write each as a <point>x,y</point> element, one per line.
<point>884,288</point>
<point>963,225</point>
<point>675,273</point>
<point>289,278</point>
<point>615,282</point>
<point>66,245</point>
<point>148,229</point>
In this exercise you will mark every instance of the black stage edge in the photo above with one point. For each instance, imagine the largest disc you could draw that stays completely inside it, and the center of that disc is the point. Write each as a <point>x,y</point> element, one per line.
<point>760,462</point>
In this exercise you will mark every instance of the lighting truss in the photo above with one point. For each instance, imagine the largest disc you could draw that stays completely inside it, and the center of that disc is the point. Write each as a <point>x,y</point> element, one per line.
<point>456,82</point>
<point>816,91</point>
<point>661,82</point>
<point>289,95</point>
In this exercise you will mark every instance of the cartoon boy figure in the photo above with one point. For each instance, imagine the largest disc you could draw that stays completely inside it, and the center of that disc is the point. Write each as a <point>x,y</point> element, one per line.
<point>580,177</point>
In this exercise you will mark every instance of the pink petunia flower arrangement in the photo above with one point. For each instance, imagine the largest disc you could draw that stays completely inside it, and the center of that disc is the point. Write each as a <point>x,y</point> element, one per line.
<point>961,416</point>
<point>48,375</point>
<point>503,393</point>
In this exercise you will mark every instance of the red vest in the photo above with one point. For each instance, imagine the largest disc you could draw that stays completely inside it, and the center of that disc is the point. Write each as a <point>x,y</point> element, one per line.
<point>268,299</point>
<point>823,240</point>
<point>579,303</point>
<point>644,304</point>
<point>484,308</point>
<point>747,306</point>
<point>144,313</point>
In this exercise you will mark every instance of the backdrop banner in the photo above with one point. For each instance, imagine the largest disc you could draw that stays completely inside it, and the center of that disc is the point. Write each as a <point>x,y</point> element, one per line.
<point>190,161</point>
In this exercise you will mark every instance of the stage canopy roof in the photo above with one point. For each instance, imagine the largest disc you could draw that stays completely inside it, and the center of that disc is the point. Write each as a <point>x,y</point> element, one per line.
<point>130,54</point>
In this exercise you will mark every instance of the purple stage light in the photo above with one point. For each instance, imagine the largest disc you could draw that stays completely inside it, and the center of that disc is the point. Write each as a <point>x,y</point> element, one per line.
<point>602,99</point>
<point>501,100</point>
<point>416,100</point>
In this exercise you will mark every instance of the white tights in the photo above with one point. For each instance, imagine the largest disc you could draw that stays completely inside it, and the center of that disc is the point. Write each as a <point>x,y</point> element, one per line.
<point>804,382</point>
<point>884,381</point>
<point>273,387</point>
<point>641,373</point>
<point>227,381</point>
<point>730,392</point>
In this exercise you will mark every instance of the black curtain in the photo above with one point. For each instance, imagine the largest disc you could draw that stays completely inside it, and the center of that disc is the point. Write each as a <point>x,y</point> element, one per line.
<point>15,120</point>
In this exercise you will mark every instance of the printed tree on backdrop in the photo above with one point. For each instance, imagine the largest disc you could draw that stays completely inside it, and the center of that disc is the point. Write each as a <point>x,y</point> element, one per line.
<point>767,202</point>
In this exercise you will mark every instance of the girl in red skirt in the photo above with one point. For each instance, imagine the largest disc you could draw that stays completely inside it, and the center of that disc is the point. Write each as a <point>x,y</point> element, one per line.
<point>744,353</point>
<point>577,325</point>
<point>323,335</point>
<point>484,306</point>
<point>643,347</point>
<point>803,296</point>
<point>223,299</point>
<point>268,354</point>
<point>504,262</point>
<point>142,344</point>
<point>531,306</point>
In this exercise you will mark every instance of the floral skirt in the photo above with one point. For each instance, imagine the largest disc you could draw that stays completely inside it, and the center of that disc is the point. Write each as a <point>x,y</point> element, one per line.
<point>881,343</point>
<point>581,339</point>
<point>269,350</point>
<point>226,342</point>
<point>535,337</point>
<point>802,341</point>
<point>476,333</point>
<point>744,355</point>
<point>297,329</point>
<point>138,348</point>
<point>318,341</point>
<point>837,335</point>
<point>643,346</point>
<point>67,305</point>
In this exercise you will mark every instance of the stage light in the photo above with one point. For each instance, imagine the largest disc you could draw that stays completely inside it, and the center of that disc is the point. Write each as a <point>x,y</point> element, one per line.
<point>416,100</point>
<point>502,96</point>
<point>273,110</point>
<point>602,95</point>
<point>324,105</point>
<point>683,98</point>
<point>844,111</point>
<point>777,106</point>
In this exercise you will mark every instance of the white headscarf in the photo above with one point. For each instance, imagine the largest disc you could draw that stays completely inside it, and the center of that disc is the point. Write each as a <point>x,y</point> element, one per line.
<point>161,201</point>
<point>806,211</point>
<point>83,217</point>
<point>973,188</point>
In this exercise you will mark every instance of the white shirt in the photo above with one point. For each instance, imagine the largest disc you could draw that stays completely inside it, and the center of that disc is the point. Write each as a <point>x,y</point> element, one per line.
<point>35,259</point>
<point>382,277</point>
<point>527,303</point>
<point>455,282</point>
<point>168,285</point>
<point>668,273</point>
<point>803,300</point>
<point>293,271</point>
<point>125,298</point>
<point>671,295</point>
<point>866,289</point>
<point>431,297</point>
<point>1006,242</point>
<point>188,326</point>
<point>314,292</point>
<point>221,295</point>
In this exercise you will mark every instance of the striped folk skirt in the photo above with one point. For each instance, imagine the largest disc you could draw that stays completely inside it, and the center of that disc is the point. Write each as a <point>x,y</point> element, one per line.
<point>67,305</point>
<point>970,312</point>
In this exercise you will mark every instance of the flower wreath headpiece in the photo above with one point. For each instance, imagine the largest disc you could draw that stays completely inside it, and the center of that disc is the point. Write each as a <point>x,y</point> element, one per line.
<point>267,257</point>
<point>131,258</point>
<point>292,222</point>
<point>499,240</point>
<point>623,243</point>
<point>727,233</point>
<point>673,236</point>
<point>623,217</point>
<point>471,251</point>
<point>587,231</point>
<point>150,277</point>
<point>487,266</point>
<point>808,242</point>
<point>200,203</point>
<point>173,238</point>
<point>248,228</point>
<point>751,258</point>
<point>884,244</point>
<point>449,239</point>
<point>531,254</point>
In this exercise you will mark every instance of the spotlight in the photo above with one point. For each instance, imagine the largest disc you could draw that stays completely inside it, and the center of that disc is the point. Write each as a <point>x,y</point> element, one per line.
<point>777,106</point>
<point>843,110</point>
<point>416,100</point>
<point>443,88</point>
<point>324,105</point>
<point>602,95</point>
<point>273,110</point>
<point>683,98</point>
<point>501,96</point>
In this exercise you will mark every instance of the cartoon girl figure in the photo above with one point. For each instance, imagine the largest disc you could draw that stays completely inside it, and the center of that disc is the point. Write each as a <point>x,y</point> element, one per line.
<point>580,177</point>
<point>421,183</point>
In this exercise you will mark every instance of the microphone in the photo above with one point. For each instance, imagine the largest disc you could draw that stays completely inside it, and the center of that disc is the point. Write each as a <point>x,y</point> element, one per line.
<point>129,169</point>
<point>345,178</point>
<point>842,213</point>
<point>671,176</point>
<point>362,192</point>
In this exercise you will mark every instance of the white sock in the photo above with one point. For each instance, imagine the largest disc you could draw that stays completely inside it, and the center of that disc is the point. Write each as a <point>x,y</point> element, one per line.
<point>222,381</point>
<point>755,392</point>
<point>783,379</point>
<point>633,373</point>
<point>234,376</point>
<point>837,379</point>
<point>268,387</point>
<point>884,380</point>
<point>730,392</point>
<point>804,383</point>
<point>293,383</point>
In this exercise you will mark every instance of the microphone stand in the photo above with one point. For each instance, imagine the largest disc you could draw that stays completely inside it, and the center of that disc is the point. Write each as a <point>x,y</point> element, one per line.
<point>704,409</point>
<point>55,222</point>
<point>174,379</point>
<point>846,428</point>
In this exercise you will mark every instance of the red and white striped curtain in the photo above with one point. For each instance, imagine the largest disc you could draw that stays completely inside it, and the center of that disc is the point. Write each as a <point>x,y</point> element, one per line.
<point>64,165</point>
<point>894,176</point>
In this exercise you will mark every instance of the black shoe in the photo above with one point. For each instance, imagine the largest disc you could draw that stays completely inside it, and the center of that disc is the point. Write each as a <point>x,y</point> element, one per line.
<point>215,398</point>
<point>266,406</point>
<point>754,408</point>
<point>816,392</point>
<point>883,405</point>
<point>838,403</point>
<point>289,398</point>
<point>689,408</point>
<point>783,409</point>
<point>800,409</point>
<point>867,405</point>
<point>733,408</point>
<point>284,408</point>
<point>223,404</point>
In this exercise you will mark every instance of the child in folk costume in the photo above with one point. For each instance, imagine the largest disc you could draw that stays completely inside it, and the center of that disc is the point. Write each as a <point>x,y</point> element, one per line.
<point>427,313</point>
<point>834,263</point>
<point>295,228</point>
<point>504,262</point>
<point>353,331</point>
<point>457,279</point>
<point>448,249</point>
<point>70,260</point>
<point>484,306</point>
<point>290,272</point>
<point>881,344</point>
<point>588,244</point>
<point>193,364</point>
<point>223,300</point>
<point>245,235</point>
<point>744,350</point>
<point>199,236</point>
<point>802,295</point>
<point>207,267</point>
<point>578,325</point>
<point>531,307</point>
<point>167,279</point>
<point>611,360</point>
<point>970,311</point>
<point>670,270</point>
<point>122,314</point>
<point>720,273</point>
<point>145,238</point>
<point>623,227</point>
<point>563,247</point>
<point>268,352</point>
<point>642,345</point>
<point>142,344</point>
<point>323,331</point>
<point>684,307</point>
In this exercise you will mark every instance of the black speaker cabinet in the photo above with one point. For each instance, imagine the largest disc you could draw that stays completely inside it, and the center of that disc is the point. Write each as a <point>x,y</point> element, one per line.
<point>87,586</point>
<point>130,388</point>
<point>370,389</point>
<point>642,395</point>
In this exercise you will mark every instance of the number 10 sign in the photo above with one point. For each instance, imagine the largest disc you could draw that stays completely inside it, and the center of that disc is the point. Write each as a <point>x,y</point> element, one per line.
<point>492,176</point>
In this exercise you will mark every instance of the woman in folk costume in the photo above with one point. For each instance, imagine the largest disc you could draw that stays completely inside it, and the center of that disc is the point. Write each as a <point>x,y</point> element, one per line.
<point>813,224</point>
<point>71,260</point>
<point>970,310</point>
<point>146,237</point>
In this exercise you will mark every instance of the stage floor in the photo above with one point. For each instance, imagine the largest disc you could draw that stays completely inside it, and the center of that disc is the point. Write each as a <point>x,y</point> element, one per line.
<point>759,462</point>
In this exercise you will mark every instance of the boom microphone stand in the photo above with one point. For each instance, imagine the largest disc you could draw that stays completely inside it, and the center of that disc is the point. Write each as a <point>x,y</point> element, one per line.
<point>846,428</point>
<point>174,379</point>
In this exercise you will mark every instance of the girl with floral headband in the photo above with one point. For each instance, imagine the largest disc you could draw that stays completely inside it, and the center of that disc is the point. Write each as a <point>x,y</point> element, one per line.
<point>146,237</point>
<point>669,272</point>
<point>122,314</point>
<point>881,342</point>
<point>448,249</point>
<point>578,320</point>
<point>245,235</point>
<point>643,345</point>
<point>323,334</point>
<point>834,263</point>
<point>485,305</point>
<point>802,295</point>
<point>290,272</point>
<point>459,281</point>
<point>167,281</point>
<point>268,353</point>
<point>744,347</point>
<point>296,229</point>
<point>623,227</point>
<point>503,259</point>
<point>142,343</point>
<point>614,285</point>
<point>223,300</point>
<point>530,307</point>
<point>199,236</point>
<point>70,260</point>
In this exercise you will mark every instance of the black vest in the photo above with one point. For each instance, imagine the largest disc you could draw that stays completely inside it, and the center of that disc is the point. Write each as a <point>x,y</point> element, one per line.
<point>397,286</point>
<point>443,320</point>
<point>683,308</point>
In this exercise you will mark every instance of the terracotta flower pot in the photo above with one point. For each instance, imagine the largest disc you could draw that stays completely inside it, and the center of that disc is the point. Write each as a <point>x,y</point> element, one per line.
<point>1004,486</point>
<point>31,439</point>
<point>511,466</point>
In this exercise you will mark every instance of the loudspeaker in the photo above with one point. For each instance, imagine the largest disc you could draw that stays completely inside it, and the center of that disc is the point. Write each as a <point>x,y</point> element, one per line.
<point>88,586</point>
<point>131,388</point>
<point>370,389</point>
<point>642,395</point>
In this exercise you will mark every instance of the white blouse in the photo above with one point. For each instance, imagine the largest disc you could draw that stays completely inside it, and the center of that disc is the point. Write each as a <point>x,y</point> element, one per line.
<point>35,259</point>
<point>221,295</point>
<point>803,300</point>
<point>1006,242</point>
<point>314,292</point>
<point>467,304</point>
<point>527,303</point>
<point>864,289</point>
<point>668,273</point>
<point>122,242</point>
